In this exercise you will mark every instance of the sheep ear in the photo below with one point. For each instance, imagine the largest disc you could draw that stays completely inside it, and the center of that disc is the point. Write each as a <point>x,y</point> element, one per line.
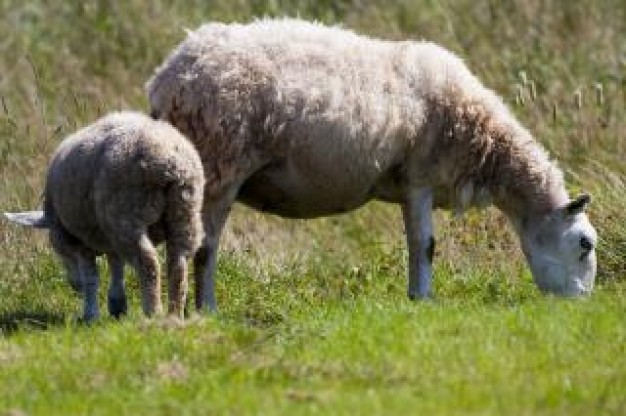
<point>577,205</point>
<point>36,219</point>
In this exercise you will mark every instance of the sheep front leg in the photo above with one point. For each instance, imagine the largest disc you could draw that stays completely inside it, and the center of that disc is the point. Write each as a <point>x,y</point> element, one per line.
<point>116,300</point>
<point>199,270</point>
<point>205,264</point>
<point>215,213</point>
<point>89,274</point>
<point>417,214</point>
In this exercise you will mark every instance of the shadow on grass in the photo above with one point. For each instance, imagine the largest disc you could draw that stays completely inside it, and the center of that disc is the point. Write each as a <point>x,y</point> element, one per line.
<point>11,322</point>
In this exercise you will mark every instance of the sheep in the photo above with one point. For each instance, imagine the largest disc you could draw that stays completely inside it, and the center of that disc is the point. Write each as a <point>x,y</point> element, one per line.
<point>117,187</point>
<point>304,120</point>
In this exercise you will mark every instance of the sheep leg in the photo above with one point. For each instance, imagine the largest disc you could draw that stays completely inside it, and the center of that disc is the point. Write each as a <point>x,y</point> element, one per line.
<point>145,261</point>
<point>72,271</point>
<point>205,264</point>
<point>81,269</point>
<point>68,249</point>
<point>199,268</point>
<point>116,300</point>
<point>89,274</point>
<point>417,214</point>
<point>176,281</point>
<point>205,261</point>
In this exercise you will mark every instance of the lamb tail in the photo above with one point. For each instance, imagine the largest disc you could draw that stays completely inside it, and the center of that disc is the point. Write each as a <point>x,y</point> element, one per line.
<point>36,219</point>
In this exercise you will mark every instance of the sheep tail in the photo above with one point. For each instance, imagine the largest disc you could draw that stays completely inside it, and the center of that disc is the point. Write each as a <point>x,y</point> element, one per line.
<point>35,219</point>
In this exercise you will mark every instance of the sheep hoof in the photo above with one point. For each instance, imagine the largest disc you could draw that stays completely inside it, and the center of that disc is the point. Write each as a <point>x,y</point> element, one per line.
<point>117,307</point>
<point>78,287</point>
<point>89,318</point>
<point>418,297</point>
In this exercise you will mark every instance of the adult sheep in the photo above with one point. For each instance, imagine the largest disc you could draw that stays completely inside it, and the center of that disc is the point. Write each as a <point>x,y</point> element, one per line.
<point>304,120</point>
<point>117,187</point>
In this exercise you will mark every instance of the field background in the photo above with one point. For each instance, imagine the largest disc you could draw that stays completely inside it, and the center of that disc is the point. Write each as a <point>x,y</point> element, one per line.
<point>314,316</point>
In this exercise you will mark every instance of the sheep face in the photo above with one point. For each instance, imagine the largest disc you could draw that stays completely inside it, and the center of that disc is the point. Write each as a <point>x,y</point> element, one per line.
<point>560,249</point>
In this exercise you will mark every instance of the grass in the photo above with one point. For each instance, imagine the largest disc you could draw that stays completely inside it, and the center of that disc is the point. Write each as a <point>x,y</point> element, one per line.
<point>371,355</point>
<point>313,314</point>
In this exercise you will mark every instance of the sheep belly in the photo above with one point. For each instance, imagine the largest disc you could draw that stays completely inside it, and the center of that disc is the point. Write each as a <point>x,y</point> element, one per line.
<point>284,190</point>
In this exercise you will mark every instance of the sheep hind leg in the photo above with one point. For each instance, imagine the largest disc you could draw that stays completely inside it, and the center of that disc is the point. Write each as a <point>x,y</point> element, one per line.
<point>145,261</point>
<point>116,299</point>
<point>417,215</point>
<point>81,269</point>
<point>176,282</point>
<point>69,249</point>
<point>89,274</point>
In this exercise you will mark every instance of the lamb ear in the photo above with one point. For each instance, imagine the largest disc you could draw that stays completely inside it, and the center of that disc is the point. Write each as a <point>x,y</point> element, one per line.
<point>35,219</point>
<point>577,205</point>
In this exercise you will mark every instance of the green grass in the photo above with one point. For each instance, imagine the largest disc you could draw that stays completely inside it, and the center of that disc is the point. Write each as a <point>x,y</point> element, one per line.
<point>314,316</point>
<point>371,354</point>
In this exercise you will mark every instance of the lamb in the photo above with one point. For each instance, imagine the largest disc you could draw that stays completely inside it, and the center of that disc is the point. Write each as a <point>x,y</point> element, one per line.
<point>303,120</point>
<point>117,187</point>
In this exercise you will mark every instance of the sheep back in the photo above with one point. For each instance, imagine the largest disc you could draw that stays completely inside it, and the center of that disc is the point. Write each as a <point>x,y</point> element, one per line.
<point>123,174</point>
<point>337,114</point>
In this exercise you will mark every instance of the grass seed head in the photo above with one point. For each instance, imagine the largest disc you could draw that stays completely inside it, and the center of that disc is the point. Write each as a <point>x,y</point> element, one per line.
<point>599,94</point>
<point>533,90</point>
<point>578,99</point>
<point>523,78</point>
<point>520,98</point>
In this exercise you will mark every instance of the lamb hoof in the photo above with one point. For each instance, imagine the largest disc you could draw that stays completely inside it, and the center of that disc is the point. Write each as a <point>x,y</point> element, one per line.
<point>117,307</point>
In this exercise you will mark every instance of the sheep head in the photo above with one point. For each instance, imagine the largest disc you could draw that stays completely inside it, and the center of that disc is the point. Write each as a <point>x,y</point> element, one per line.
<point>560,249</point>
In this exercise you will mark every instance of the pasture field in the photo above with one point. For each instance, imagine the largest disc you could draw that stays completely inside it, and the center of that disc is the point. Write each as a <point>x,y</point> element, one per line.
<point>313,314</point>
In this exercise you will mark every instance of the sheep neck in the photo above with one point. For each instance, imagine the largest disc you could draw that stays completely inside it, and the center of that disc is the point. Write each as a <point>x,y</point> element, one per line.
<point>487,151</point>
